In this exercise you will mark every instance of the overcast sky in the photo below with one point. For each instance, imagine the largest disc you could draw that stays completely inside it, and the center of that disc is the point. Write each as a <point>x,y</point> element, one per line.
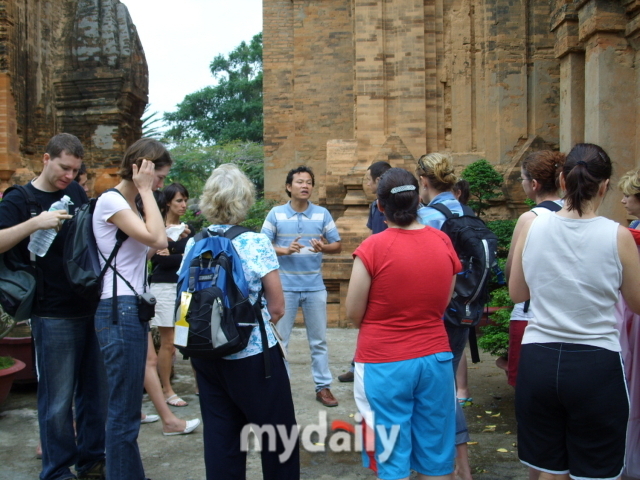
<point>181,38</point>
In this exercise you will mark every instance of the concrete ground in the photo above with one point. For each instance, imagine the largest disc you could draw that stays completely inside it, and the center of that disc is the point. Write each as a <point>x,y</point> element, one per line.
<point>490,417</point>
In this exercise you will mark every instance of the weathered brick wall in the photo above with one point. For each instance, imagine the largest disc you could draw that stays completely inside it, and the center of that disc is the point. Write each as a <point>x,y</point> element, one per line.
<point>470,77</point>
<point>476,78</point>
<point>308,86</point>
<point>68,65</point>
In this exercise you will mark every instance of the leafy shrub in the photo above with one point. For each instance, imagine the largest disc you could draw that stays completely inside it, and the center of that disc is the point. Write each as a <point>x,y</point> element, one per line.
<point>495,336</point>
<point>504,231</point>
<point>484,184</point>
<point>257,213</point>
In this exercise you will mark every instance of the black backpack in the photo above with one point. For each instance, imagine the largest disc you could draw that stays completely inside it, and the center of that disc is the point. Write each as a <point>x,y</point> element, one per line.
<point>81,257</point>
<point>476,247</point>
<point>220,315</point>
<point>18,284</point>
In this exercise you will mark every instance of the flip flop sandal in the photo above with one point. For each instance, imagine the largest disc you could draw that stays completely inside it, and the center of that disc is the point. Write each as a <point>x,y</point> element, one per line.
<point>176,401</point>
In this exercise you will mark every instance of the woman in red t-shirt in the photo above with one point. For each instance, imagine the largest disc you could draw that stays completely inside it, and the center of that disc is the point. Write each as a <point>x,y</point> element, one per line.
<point>401,283</point>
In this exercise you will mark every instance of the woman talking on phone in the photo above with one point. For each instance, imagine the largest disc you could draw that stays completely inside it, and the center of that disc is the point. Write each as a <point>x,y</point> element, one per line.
<point>121,319</point>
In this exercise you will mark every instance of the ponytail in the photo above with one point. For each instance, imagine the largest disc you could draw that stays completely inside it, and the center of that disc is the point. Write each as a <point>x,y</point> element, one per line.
<point>586,167</point>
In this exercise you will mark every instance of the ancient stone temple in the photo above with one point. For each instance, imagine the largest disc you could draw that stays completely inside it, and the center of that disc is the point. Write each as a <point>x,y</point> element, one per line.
<point>350,82</point>
<point>73,66</point>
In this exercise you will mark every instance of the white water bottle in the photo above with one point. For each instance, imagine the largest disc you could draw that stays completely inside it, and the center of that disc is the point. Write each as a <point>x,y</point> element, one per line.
<point>41,240</point>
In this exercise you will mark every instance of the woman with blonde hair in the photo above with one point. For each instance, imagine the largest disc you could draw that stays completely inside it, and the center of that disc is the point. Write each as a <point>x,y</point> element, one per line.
<point>437,181</point>
<point>233,390</point>
<point>629,328</point>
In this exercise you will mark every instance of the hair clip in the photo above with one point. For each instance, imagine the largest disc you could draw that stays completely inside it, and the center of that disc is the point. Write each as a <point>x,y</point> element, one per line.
<point>403,188</point>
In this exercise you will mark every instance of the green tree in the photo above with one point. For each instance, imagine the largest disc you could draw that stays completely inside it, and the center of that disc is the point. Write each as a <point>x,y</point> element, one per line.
<point>193,162</point>
<point>151,123</point>
<point>484,184</point>
<point>231,109</point>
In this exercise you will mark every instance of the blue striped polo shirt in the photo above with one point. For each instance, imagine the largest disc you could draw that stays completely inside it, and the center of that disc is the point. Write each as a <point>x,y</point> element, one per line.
<point>300,272</point>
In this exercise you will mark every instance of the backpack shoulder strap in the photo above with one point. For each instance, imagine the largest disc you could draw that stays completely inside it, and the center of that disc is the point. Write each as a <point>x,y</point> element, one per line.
<point>443,209</point>
<point>34,207</point>
<point>549,205</point>
<point>467,210</point>
<point>232,233</point>
<point>120,235</point>
<point>236,230</point>
<point>204,233</point>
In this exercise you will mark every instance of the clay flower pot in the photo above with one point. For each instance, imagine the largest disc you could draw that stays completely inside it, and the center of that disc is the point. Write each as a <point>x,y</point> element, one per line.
<point>7,376</point>
<point>19,345</point>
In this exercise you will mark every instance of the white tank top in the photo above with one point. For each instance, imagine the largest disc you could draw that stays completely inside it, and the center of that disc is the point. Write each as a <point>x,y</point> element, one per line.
<point>573,271</point>
<point>518,312</point>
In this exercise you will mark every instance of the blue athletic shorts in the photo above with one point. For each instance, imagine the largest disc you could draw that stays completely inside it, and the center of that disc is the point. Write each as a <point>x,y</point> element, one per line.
<point>411,407</point>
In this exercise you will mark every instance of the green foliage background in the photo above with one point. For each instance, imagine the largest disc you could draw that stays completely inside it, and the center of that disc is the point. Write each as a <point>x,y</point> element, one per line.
<point>221,124</point>
<point>495,336</point>
<point>230,110</point>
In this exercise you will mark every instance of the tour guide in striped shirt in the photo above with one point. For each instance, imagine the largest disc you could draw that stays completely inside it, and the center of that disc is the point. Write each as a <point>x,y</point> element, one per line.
<point>301,232</point>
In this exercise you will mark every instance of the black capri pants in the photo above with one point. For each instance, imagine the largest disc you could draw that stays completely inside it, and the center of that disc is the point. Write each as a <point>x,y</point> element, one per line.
<point>234,393</point>
<point>572,408</point>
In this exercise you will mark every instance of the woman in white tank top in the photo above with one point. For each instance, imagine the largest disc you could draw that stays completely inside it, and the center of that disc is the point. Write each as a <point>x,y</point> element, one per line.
<point>539,177</point>
<point>571,399</point>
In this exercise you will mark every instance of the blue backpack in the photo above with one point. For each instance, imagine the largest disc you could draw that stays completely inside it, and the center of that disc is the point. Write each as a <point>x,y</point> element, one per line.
<point>220,315</point>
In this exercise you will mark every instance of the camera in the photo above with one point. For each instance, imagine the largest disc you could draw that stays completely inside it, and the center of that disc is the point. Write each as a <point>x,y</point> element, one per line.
<point>146,307</point>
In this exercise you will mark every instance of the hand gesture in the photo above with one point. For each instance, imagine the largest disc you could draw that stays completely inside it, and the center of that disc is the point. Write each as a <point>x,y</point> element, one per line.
<point>295,246</point>
<point>318,245</point>
<point>53,219</point>
<point>164,252</point>
<point>144,177</point>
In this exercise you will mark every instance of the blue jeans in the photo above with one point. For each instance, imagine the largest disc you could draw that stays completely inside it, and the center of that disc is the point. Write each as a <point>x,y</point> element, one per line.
<point>314,309</point>
<point>70,367</point>
<point>124,347</point>
<point>458,337</point>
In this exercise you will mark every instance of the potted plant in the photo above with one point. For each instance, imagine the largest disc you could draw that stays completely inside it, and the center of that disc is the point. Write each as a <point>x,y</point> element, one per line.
<point>18,343</point>
<point>9,367</point>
